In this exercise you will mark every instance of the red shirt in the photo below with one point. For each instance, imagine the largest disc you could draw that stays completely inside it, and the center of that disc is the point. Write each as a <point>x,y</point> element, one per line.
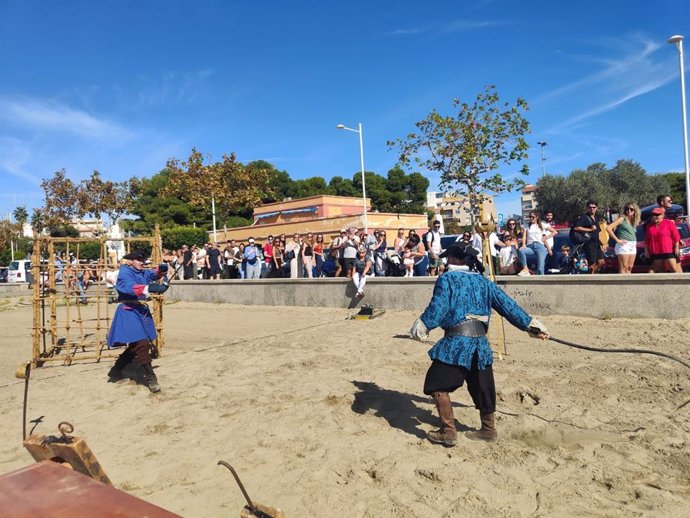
<point>268,252</point>
<point>661,238</point>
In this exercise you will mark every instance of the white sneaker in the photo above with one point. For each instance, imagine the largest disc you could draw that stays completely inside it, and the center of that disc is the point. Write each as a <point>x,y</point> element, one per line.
<point>524,273</point>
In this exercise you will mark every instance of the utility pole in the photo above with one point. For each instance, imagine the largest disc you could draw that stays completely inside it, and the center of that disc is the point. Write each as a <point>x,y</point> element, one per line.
<point>542,144</point>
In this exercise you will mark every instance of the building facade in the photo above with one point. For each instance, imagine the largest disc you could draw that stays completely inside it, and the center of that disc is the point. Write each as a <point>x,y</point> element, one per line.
<point>528,201</point>
<point>456,209</point>
<point>321,214</point>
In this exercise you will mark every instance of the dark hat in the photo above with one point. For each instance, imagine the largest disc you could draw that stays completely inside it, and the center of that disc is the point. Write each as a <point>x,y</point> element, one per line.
<point>136,255</point>
<point>460,251</point>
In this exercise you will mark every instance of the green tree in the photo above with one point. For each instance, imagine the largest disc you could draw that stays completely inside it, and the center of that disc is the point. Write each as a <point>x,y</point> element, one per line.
<point>468,148</point>
<point>20,215</point>
<point>676,187</point>
<point>611,188</point>
<point>153,206</point>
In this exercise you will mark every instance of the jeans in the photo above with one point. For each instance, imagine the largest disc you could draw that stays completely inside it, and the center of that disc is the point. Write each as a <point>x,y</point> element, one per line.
<point>533,249</point>
<point>253,271</point>
<point>420,268</point>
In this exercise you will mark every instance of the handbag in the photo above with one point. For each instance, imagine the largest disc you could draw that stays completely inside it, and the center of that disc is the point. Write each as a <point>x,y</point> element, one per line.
<point>289,256</point>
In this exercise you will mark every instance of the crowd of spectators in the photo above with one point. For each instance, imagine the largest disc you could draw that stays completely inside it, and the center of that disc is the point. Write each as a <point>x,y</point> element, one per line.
<point>516,249</point>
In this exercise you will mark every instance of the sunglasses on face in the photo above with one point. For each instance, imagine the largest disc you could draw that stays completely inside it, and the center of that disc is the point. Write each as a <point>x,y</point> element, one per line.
<point>629,209</point>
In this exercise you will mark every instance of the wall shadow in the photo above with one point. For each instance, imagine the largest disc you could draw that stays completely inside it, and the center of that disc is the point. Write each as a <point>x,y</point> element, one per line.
<point>398,408</point>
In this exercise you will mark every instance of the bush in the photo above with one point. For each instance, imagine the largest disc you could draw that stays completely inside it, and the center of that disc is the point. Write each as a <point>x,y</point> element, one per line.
<point>174,237</point>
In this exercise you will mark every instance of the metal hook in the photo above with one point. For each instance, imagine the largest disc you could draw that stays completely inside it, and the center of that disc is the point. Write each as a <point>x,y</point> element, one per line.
<point>64,428</point>
<point>239,483</point>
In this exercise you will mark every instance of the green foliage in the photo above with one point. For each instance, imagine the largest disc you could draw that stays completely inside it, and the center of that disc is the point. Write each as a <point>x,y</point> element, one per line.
<point>23,247</point>
<point>468,147</point>
<point>611,188</point>
<point>236,221</point>
<point>154,208</point>
<point>62,230</point>
<point>175,237</point>
<point>21,215</point>
<point>90,251</point>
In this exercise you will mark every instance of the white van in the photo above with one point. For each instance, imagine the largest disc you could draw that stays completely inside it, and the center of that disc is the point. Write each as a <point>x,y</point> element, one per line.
<point>19,270</point>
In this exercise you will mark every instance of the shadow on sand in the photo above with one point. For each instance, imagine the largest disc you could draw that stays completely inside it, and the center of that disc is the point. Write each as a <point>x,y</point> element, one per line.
<point>398,408</point>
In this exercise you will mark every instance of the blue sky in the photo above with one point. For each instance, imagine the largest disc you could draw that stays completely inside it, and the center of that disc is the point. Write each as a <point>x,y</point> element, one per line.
<point>123,86</point>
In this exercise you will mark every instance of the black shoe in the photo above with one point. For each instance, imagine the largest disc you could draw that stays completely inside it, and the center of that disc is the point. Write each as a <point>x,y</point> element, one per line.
<point>115,375</point>
<point>150,378</point>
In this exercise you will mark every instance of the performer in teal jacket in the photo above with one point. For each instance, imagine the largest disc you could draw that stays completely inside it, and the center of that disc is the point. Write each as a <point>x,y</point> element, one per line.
<point>463,354</point>
<point>132,324</point>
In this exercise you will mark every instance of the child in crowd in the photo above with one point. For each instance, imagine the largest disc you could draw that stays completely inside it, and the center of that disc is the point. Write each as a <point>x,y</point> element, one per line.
<point>508,255</point>
<point>408,260</point>
<point>565,265</point>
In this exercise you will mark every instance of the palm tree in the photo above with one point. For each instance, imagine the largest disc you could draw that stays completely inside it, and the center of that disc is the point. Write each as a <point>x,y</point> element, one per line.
<point>21,216</point>
<point>38,220</point>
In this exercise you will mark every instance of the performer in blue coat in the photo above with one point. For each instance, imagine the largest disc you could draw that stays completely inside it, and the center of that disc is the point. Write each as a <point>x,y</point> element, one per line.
<point>464,354</point>
<point>132,324</point>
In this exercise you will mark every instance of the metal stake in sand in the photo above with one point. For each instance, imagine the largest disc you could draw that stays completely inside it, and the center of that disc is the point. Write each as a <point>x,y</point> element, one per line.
<point>257,510</point>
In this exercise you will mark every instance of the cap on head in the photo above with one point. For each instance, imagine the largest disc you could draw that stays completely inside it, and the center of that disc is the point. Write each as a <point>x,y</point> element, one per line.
<point>658,210</point>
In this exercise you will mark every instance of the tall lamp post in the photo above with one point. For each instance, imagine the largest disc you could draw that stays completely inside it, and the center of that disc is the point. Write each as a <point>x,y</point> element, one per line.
<point>542,144</point>
<point>678,40</point>
<point>361,156</point>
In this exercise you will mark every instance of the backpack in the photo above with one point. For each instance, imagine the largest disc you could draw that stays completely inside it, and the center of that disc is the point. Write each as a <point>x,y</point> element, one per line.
<point>579,238</point>
<point>427,244</point>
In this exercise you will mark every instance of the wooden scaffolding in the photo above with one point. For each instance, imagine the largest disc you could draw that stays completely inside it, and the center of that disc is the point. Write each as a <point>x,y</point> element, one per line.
<point>73,297</point>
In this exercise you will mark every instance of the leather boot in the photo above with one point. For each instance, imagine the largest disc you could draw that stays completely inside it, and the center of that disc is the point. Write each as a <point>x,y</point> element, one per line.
<point>115,373</point>
<point>150,378</point>
<point>447,434</point>
<point>488,430</point>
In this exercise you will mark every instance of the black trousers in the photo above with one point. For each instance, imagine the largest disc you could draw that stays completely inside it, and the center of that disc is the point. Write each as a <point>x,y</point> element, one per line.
<point>443,377</point>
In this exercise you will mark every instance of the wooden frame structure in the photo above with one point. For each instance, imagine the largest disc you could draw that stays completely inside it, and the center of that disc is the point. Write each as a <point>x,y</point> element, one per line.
<point>65,298</point>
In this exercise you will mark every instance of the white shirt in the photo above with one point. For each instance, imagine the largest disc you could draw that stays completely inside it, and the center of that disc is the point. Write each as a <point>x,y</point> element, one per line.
<point>536,232</point>
<point>433,239</point>
<point>508,255</point>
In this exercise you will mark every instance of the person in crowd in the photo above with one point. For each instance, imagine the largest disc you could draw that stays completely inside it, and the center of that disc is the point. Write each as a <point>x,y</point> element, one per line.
<point>433,246</point>
<point>213,258</point>
<point>585,233</point>
<point>361,269</point>
<point>292,251</point>
<point>508,255</point>
<point>662,243</point>
<point>512,227</point>
<point>251,260</point>
<point>566,263</point>
<point>465,238</point>
<point>201,270</point>
<point>665,201</point>
<point>132,324</point>
<point>533,243</point>
<point>189,261</point>
<point>308,255</point>
<point>419,254</point>
<point>337,248</point>
<point>319,255</point>
<point>380,249</point>
<point>464,354</point>
<point>278,258</point>
<point>229,258</point>
<point>268,257</point>
<point>623,231</point>
<point>408,260</point>
<point>241,261</point>
<point>399,242</point>
<point>349,247</point>
<point>549,220</point>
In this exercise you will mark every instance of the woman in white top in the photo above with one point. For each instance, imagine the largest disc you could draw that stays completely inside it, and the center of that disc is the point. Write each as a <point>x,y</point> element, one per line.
<point>534,238</point>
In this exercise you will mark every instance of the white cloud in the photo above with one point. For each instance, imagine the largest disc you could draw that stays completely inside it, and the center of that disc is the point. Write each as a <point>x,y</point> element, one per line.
<point>173,88</point>
<point>452,26</point>
<point>637,72</point>
<point>14,155</point>
<point>50,115</point>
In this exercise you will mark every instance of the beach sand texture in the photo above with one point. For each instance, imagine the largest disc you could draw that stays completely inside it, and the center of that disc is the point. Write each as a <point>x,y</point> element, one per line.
<point>325,416</point>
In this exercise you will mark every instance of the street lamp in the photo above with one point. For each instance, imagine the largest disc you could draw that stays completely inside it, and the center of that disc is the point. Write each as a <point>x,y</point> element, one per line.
<point>542,144</point>
<point>361,156</point>
<point>678,40</point>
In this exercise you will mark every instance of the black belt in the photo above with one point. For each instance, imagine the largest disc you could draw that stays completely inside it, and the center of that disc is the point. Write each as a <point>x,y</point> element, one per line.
<point>470,327</point>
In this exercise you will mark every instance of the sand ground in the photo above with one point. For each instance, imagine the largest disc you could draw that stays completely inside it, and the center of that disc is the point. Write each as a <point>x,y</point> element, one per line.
<point>324,416</point>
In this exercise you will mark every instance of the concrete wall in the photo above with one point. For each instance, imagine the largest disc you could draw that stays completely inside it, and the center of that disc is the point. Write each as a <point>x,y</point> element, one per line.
<point>15,289</point>
<point>599,296</point>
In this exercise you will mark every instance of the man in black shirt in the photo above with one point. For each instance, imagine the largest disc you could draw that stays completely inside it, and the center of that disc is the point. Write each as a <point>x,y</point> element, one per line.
<point>188,262</point>
<point>588,231</point>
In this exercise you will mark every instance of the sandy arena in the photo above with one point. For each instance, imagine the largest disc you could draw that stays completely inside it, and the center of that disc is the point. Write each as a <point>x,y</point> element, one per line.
<point>324,416</point>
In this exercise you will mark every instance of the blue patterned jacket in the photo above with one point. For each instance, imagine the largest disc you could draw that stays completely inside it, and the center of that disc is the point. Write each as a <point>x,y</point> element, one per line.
<point>458,294</point>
